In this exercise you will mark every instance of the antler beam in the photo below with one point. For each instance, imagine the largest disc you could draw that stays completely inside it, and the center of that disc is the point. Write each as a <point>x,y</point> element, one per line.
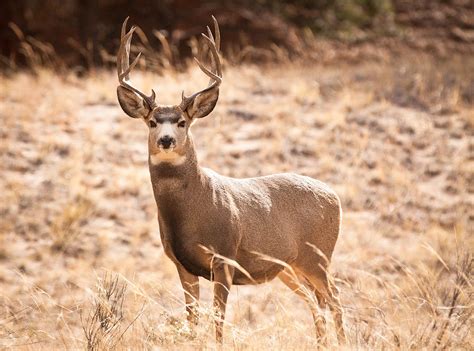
<point>215,78</point>
<point>124,68</point>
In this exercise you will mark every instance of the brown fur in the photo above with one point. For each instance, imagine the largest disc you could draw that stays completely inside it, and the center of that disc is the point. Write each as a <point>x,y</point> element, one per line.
<point>284,216</point>
<point>238,218</point>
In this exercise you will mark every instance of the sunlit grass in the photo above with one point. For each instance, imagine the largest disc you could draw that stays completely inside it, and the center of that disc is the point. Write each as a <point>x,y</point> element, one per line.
<point>76,204</point>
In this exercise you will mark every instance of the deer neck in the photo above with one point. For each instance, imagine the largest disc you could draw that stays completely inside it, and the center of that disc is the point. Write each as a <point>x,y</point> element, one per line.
<point>175,181</point>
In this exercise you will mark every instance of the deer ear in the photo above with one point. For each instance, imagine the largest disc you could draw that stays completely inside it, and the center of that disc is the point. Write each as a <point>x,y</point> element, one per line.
<point>203,104</point>
<point>132,104</point>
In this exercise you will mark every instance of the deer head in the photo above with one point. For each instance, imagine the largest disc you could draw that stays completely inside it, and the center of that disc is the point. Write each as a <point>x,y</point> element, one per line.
<point>168,125</point>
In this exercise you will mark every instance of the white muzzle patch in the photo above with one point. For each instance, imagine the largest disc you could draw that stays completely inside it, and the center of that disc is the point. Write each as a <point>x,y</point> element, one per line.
<point>167,130</point>
<point>168,156</point>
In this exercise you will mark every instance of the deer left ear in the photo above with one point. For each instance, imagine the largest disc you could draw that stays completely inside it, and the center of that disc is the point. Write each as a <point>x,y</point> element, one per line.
<point>202,104</point>
<point>132,104</point>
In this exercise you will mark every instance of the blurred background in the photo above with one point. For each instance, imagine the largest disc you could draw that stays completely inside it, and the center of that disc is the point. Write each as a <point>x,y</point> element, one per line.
<point>374,98</point>
<point>76,33</point>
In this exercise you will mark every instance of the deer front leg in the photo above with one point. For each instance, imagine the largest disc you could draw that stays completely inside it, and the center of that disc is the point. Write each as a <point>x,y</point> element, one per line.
<point>190,285</point>
<point>222,278</point>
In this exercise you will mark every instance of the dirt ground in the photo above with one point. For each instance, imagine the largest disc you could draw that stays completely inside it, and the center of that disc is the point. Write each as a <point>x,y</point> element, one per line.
<point>393,138</point>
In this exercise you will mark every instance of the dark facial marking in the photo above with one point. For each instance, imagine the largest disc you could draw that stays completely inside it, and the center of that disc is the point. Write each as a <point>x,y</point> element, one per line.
<point>167,115</point>
<point>167,119</point>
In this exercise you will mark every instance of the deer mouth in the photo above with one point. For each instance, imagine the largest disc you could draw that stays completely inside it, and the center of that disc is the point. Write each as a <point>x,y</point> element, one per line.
<point>167,150</point>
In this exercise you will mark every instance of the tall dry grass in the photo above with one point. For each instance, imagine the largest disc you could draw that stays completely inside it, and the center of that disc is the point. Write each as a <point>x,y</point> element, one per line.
<point>81,264</point>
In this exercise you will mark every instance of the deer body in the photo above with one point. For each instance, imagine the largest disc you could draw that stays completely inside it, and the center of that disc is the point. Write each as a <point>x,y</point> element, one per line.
<point>231,231</point>
<point>241,218</point>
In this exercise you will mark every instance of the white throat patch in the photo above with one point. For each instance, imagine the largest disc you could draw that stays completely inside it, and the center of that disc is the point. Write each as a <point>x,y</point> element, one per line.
<point>169,157</point>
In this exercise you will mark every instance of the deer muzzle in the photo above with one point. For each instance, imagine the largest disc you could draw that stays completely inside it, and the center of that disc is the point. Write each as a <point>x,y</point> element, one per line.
<point>167,143</point>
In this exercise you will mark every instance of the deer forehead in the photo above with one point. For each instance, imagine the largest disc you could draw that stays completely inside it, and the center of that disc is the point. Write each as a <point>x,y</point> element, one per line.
<point>167,114</point>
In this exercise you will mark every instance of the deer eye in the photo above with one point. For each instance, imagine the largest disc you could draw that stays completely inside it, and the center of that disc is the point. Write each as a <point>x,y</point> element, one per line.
<point>182,124</point>
<point>152,124</point>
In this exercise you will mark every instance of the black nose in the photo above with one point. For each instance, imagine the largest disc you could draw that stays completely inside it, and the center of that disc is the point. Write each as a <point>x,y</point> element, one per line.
<point>166,141</point>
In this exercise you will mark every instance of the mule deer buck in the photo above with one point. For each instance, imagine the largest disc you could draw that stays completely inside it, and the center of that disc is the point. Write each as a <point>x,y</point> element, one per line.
<point>231,231</point>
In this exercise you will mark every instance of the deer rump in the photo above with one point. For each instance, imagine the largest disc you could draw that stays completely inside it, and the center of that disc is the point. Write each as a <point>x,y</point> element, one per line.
<point>261,223</point>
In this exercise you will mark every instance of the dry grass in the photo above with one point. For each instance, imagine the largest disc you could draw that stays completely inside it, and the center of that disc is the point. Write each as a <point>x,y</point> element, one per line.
<point>77,209</point>
<point>102,328</point>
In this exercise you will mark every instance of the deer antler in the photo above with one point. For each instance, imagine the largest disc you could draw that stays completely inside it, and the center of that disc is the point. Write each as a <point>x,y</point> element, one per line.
<point>215,78</point>
<point>123,65</point>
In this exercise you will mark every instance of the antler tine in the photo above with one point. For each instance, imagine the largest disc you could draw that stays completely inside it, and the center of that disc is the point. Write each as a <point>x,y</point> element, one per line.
<point>123,55</point>
<point>123,64</point>
<point>208,73</point>
<point>209,33</point>
<point>213,63</point>
<point>216,42</point>
<point>218,34</point>
<point>215,54</point>
<point>124,27</point>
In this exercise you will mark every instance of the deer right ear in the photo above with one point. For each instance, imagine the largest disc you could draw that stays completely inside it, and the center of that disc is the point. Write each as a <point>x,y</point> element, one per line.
<point>132,104</point>
<point>203,104</point>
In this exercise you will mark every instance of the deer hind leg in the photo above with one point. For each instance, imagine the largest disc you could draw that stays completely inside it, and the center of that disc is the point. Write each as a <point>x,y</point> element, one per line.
<point>327,293</point>
<point>301,286</point>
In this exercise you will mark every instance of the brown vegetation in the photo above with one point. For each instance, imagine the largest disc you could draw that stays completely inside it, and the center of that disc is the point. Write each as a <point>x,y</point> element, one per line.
<point>77,34</point>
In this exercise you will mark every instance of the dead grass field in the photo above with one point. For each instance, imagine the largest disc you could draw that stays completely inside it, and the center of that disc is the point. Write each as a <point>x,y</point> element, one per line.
<point>79,235</point>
